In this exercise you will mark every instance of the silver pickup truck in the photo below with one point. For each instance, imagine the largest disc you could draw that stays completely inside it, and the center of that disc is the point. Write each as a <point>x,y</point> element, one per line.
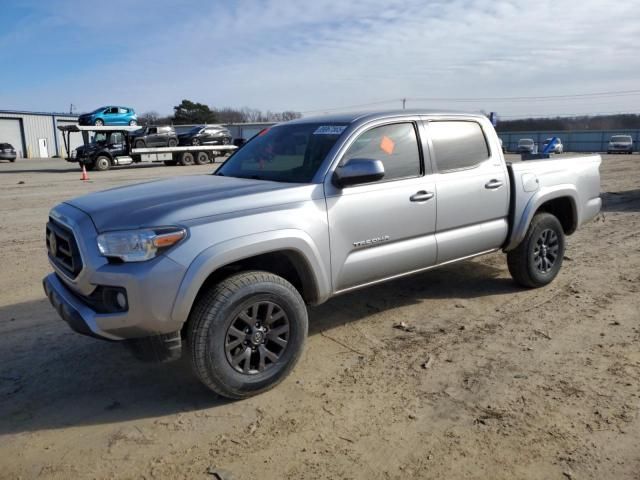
<point>226,263</point>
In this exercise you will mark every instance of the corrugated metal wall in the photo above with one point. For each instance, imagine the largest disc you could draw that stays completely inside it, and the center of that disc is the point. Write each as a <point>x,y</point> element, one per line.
<point>573,141</point>
<point>35,126</point>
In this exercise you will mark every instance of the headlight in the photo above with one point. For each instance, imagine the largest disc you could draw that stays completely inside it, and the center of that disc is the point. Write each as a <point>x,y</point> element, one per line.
<point>138,245</point>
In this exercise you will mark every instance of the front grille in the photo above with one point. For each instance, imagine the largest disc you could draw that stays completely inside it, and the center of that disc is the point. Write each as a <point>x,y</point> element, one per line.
<point>63,249</point>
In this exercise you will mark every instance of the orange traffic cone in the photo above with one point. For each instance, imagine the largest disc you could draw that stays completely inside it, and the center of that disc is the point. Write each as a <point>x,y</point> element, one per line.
<point>85,175</point>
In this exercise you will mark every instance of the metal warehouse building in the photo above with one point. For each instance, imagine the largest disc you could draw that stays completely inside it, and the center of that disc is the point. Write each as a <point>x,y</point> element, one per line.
<point>35,134</point>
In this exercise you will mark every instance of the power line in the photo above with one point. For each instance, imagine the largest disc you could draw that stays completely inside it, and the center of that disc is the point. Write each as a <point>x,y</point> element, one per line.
<point>577,96</point>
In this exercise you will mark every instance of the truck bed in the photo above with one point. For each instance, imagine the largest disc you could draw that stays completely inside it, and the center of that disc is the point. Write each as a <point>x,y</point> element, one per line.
<point>533,181</point>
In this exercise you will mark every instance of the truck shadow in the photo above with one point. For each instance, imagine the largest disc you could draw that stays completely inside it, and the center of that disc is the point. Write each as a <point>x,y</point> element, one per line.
<point>625,201</point>
<point>52,378</point>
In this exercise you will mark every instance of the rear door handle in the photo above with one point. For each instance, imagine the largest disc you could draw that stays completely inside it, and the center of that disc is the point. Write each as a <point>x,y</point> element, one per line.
<point>493,184</point>
<point>421,196</point>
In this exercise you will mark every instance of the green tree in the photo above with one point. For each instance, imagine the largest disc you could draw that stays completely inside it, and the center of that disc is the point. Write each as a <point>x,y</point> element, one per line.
<point>189,112</point>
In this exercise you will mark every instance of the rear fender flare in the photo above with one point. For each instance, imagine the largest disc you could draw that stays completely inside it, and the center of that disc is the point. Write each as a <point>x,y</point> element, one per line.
<point>535,202</point>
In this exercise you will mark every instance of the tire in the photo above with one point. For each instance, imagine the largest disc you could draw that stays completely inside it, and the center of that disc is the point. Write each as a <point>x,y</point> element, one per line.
<point>219,313</point>
<point>140,144</point>
<point>529,264</point>
<point>195,141</point>
<point>202,158</point>
<point>99,122</point>
<point>132,123</point>
<point>172,142</point>
<point>186,159</point>
<point>102,163</point>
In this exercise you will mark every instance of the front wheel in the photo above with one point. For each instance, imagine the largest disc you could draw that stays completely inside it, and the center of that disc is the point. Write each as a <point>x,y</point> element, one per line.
<point>102,163</point>
<point>247,333</point>
<point>173,142</point>
<point>538,258</point>
<point>99,123</point>
<point>133,123</point>
<point>140,144</point>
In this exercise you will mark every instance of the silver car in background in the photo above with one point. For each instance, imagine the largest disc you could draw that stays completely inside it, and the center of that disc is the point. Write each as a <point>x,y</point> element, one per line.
<point>620,144</point>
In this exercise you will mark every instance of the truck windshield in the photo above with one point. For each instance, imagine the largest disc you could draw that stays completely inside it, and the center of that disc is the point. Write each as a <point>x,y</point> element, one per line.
<point>285,153</point>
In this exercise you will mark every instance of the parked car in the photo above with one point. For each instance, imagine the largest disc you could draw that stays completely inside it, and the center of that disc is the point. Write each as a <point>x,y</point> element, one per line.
<point>226,263</point>
<point>526,145</point>
<point>620,144</point>
<point>7,152</point>
<point>557,148</point>
<point>206,135</point>
<point>109,116</point>
<point>152,136</point>
<point>100,153</point>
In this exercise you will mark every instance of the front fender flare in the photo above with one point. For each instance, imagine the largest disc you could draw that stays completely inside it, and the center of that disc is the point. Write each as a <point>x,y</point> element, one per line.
<point>233,250</point>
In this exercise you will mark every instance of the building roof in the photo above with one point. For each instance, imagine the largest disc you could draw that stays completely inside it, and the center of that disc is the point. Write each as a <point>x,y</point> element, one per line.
<point>50,114</point>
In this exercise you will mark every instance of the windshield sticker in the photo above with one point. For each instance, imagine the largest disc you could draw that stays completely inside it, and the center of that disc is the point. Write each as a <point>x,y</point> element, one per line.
<point>330,130</point>
<point>387,145</point>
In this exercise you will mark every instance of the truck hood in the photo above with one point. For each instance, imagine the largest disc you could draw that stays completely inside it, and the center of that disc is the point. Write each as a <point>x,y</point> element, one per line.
<point>179,200</point>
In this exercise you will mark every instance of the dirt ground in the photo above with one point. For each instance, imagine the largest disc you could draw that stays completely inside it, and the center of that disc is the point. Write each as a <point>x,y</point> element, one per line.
<point>487,381</point>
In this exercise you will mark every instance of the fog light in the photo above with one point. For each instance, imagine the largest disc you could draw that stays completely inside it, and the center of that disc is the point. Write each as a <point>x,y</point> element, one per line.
<point>121,300</point>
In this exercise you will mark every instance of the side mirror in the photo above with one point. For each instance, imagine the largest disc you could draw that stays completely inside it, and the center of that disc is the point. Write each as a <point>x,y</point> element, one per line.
<point>358,170</point>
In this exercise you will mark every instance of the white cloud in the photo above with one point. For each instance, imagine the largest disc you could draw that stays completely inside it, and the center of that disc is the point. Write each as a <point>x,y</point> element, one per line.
<point>313,55</point>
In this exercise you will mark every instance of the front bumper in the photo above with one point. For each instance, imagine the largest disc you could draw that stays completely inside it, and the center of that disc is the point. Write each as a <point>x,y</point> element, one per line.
<point>151,287</point>
<point>79,317</point>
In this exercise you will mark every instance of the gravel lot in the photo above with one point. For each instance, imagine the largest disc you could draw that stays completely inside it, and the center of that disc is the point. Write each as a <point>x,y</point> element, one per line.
<point>539,384</point>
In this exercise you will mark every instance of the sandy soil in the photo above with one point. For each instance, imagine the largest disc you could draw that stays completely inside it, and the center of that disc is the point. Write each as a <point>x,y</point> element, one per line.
<point>488,380</point>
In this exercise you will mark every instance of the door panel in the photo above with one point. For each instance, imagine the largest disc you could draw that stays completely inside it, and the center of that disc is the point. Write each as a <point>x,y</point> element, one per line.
<point>400,232</point>
<point>387,228</point>
<point>473,202</point>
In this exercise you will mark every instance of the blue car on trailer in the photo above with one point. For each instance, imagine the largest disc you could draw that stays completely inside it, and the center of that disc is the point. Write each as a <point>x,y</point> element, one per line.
<point>110,115</point>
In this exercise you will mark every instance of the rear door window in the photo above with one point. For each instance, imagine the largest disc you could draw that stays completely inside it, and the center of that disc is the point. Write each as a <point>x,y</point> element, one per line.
<point>458,144</point>
<point>396,146</point>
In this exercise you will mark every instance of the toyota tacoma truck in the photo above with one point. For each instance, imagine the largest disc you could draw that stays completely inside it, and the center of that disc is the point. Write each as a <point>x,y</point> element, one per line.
<point>222,266</point>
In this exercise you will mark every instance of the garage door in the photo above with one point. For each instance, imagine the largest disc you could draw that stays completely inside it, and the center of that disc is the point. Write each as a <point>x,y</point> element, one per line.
<point>75,137</point>
<point>10,132</point>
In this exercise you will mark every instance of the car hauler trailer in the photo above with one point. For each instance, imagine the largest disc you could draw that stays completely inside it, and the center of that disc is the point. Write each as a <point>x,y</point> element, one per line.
<point>110,146</point>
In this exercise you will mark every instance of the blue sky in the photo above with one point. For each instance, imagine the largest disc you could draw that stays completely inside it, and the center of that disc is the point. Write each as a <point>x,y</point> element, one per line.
<point>319,55</point>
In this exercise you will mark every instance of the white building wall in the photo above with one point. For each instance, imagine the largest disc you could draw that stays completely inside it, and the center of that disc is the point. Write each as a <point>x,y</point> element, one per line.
<point>36,126</point>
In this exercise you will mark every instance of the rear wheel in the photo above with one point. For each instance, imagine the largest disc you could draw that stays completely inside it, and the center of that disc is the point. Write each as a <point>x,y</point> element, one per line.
<point>538,258</point>
<point>202,158</point>
<point>173,142</point>
<point>140,144</point>
<point>186,159</point>
<point>247,333</point>
<point>102,163</point>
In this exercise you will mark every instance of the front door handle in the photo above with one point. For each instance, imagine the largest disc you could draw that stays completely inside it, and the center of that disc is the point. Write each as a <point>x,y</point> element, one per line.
<point>421,196</point>
<point>493,184</point>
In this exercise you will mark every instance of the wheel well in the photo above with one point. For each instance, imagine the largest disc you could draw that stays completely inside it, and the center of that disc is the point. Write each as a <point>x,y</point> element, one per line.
<point>563,209</point>
<point>288,264</point>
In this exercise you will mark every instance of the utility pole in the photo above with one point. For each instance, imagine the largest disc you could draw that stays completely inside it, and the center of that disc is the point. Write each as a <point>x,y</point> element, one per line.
<point>404,102</point>
<point>71,108</point>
